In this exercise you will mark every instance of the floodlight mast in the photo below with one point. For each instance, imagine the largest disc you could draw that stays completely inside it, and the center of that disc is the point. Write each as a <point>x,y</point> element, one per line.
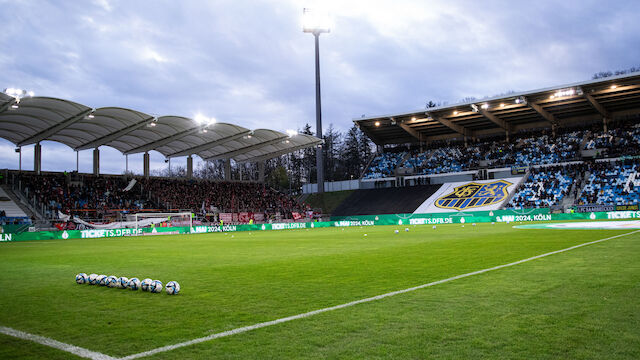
<point>312,25</point>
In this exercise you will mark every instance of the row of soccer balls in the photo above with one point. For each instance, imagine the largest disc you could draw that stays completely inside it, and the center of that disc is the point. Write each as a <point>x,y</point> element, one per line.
<point>154,286</point>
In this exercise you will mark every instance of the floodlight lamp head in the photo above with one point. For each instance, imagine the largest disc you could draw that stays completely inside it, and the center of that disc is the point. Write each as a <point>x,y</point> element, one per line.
<point>474,107</point>
<point>314,22</point>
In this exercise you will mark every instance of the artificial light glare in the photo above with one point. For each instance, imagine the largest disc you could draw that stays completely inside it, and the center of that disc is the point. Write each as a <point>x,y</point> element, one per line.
<point>614,86</point>
<point>377,123</point>
<point>502,105</point>
<point>315,21</point>
<point>291,132</point>
<point>455,113</point>
<point>204,120</point>
<point>485,106</point>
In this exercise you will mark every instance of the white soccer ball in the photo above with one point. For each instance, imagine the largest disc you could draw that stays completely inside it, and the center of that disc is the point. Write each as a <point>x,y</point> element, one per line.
<point>172,288</point>
<point>112,281</point>
<point>474,224</point>
<point>406,229</point>
<point>81,278</point>
<point>93,279</point>
<point>122,282</point>
<point>102,280</point>
<point>133,284</point>
<point>156,286</point>
<point>397,232</point>
<point>434,227</point>
<point>145,284</point>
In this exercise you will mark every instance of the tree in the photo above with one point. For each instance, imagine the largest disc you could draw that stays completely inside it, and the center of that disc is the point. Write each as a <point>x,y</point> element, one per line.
<point>278,178</point>
<point>331,154</point>
<point>351,153</point>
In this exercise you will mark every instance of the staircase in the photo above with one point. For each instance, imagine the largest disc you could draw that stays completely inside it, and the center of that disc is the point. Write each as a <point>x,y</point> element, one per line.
<point>21,201</point>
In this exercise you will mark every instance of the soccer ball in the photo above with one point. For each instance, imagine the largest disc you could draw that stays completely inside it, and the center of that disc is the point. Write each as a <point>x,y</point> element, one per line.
<point>112,281</point>
<point>406,229</point>
<point>156,286</point>
<point>146,283</point>
<point>122,282</point>
<point>102,280</point>
<point>434,227</point>
<point>133,284</point>
<point>172,288</point>
<point>397,232</point>
<point>93,279</point>
<point>81,278</point>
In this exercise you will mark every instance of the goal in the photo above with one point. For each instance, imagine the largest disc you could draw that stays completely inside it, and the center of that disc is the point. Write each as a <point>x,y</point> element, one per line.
<point>143,220</point>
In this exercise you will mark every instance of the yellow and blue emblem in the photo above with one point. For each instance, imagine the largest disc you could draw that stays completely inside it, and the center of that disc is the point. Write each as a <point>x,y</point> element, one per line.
<point>473,195</point>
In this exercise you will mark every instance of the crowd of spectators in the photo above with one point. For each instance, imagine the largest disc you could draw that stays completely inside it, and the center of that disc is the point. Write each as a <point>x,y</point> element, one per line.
<point>612,183</point>
<point>95,197</point>
<point>93,194</point>
<point>384,165</point>
<point>619,141</point>
<point>199,195</point>
<point>546,186</point>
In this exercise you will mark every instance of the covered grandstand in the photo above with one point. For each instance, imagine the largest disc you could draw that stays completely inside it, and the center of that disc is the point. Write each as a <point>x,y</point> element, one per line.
<point>32,119</point>
<point>560,106</point>
<point>28,120</point>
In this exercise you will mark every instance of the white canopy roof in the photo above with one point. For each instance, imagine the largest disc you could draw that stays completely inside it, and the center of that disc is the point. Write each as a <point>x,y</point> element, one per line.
<point>34,119</point>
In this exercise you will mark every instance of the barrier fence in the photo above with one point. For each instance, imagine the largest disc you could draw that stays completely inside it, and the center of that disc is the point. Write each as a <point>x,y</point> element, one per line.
<point>499,216</point>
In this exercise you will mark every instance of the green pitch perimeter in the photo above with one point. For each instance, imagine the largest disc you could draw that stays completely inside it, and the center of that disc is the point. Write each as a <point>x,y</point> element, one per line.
<point>579,304</point>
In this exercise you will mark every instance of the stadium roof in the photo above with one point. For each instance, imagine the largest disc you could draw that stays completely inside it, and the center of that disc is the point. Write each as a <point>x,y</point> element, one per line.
<point>556,106</point>
<point>30,120</point>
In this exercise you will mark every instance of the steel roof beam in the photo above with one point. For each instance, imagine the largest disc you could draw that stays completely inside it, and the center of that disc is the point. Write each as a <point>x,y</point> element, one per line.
<point>281,152</point>
<point>44,134</point>
<point>161,142</point>
<point>110,137</point>
<point>494,119</point>
<point>410,130</point>
<point>596,105</point>
<point>231,154</point>
<point>451,125</point>
<point>542,112</point>
<point>209,145</point>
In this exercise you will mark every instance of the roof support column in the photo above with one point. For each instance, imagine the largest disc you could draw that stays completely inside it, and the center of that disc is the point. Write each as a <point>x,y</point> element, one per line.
<point>507,135</point>
<point>189,167</point>
<point>77,161</point>
<point>605,122</point>
<point>96,162</point>
<point>261,171</point>
<point>145,165</point>
<point>20,159</point>
<point>227,169</point>
<point>37,158</point>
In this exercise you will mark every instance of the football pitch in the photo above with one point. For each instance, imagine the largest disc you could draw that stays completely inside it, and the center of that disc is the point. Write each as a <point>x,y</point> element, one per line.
<point>583,303</point>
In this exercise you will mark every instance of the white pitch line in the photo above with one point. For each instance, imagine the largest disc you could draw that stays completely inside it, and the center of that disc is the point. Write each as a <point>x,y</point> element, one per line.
<point>352,303</point>
<point>76,350</point>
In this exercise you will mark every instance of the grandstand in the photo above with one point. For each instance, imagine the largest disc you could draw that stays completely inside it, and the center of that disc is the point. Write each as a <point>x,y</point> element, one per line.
<point>546,140</point>
<point>97,197</point>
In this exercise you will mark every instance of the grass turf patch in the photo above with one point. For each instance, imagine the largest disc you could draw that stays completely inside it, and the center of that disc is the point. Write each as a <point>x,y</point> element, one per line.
<point>253,277</point>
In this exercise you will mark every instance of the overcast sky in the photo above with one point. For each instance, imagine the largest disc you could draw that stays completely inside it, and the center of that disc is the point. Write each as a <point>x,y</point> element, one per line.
<point>249,63</point>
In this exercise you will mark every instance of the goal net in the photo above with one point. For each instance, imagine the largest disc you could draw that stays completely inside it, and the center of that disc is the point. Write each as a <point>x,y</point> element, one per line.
<point>143,220</point>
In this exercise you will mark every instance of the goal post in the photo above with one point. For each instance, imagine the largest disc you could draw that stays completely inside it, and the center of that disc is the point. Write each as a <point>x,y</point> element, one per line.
<point>174,219</point>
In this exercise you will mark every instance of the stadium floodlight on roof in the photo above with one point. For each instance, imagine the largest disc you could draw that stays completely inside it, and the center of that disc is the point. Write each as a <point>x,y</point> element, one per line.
<point>204,120</point>
<point>18,94</point>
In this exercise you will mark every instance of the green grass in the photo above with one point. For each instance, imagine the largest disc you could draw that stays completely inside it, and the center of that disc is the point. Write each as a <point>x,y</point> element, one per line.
<point>580,304</point>
<point>328,201</point>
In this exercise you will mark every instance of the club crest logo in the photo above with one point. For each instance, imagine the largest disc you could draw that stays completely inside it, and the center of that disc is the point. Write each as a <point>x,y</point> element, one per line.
<point>473,195</point>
